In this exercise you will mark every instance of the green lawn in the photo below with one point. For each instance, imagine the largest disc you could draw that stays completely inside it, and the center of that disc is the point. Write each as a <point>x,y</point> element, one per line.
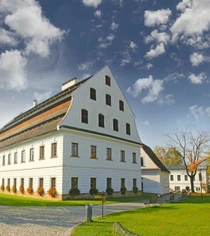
<point>189,217</point>
<point>12,200</point>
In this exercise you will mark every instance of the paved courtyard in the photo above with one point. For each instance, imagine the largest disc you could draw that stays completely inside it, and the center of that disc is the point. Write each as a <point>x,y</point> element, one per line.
<point>50,221</point>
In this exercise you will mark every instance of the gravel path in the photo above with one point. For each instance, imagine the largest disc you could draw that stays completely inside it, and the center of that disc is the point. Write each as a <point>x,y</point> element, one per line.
<point>50,221</point>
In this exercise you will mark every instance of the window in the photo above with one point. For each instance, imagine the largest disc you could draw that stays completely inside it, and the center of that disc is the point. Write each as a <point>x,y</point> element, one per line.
<point>15,158</point>
<point>107,80</point>
<point>186,178</point>
<point>122,156</point>
<point>108,100</point>
<point>23,156</point>
<point>134,183</point>
<point>74,149</point>
<point>115,124</point>
<point>74,183</point>
<point>171,177</point>
<point>121,105</point>
<point>197,189</point>
<point>15,182</point>
<point>142,161</point>
<point>134,157</point>
<point>177,188</point>
<point>92,93</point>
<point>22,181</point>
<point>93,151</point>
<point>178,177</point>
<point>31,154</point>
<point>108,182</point>
<point>2,182</point>
<point>54,150</point>
<point>41,182</point>
<point>8,182</point>
<point>84,116</point>
<point>101,120</point>
<point>9,159</point>
<point>53,182</point>
<point>92,183</point>
<point>41,152</point>
<point>108,154</point>
<point>128,129</point>
<point>122,182</point>
<point>31,182</point>
<point>3,160</point>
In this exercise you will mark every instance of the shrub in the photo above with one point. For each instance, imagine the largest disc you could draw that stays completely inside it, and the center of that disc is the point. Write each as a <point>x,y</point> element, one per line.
<point>30,190</point>
<point>22,190</point>
<point>109,191</point>
<point>93,191</point>
<point>74,192</point>
<point>52,192</point>
<point>123,190</point>
<point>2,187</point>
<point>8,188</point>
<point>14,189</point>
<point>40,191</point>
<point>135,189</point>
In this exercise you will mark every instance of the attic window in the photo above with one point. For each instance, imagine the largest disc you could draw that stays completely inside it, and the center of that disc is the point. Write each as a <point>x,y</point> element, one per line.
<point>107,80</point>
<point>92,94</point>
<point>121,105</point>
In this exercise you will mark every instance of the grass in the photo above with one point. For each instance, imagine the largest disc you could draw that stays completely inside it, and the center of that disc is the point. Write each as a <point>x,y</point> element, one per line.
<point>189,217</point>
<point>12,200</point>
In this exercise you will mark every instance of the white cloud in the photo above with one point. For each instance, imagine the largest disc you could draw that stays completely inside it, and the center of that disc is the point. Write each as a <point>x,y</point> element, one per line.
<point>197,79</point>
<point>92,3</point>
<point>7,38</point>
<point>184,4</point>
<point>85,66</point>
<point>114,26</point>
<point>195,18</point>
<point>13,71</point>
<point>97,14</point>
<point>147,123</point>
<point>158,37</point>
<point>42,96</point>
<point>106,42</point>
<point>148,66</point>
<point>196,59</point>
<point>133,46</point>
<point>197,111</point>
<point>153,87</point>
<point>26,20</point>
<point>152,18</point>
<point>160,49</point>
<point>168,99</point>
<point>110,37</point>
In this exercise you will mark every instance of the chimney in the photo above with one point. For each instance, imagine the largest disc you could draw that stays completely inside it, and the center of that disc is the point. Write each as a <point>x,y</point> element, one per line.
<point>35,103</point>
<point>69,83</point>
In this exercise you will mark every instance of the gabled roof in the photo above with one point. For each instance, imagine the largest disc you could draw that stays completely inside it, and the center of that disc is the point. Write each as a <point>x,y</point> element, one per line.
<point>41,119</point>
<point>154,158</point>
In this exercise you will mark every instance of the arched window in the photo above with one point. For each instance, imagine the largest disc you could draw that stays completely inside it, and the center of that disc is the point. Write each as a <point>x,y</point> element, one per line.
<point>101,120</point>
<point>121,105</point>
<point>108,100</point>
<point>84,116</point>
<point>115,124</point>
<point>107,80</point>
<point>92,93</point>
<point>128,129</point>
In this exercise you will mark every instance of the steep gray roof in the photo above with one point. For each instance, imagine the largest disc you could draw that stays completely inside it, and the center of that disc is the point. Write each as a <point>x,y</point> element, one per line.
<point>154,158</point>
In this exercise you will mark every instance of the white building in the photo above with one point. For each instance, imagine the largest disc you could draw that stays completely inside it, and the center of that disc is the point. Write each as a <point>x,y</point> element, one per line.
<point>180,180</point>
<point>155,176</point>
<point>85,137</point>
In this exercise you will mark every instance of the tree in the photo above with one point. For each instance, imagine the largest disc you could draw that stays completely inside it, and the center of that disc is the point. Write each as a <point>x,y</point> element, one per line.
<point>168,156</point>
<point>192,146</point>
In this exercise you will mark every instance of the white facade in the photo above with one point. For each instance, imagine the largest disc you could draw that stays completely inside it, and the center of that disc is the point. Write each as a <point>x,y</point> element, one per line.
<point>71,132</point>
<point>179,179</point>
<point>155,176</point>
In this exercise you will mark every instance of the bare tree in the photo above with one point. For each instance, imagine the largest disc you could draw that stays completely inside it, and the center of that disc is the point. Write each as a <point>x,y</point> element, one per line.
<point>192,147</point>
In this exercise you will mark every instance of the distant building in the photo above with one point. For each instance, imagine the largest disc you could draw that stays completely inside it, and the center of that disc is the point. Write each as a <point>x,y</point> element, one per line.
<point>155,176</point>
<point>180,180</point>
<point>84,137</point>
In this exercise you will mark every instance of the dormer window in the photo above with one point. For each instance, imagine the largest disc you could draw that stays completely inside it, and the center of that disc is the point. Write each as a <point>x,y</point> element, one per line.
<point>107,80</point>
<point>92,94</point>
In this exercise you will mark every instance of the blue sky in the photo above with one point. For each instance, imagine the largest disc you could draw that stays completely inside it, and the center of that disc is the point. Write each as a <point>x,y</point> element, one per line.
<point>158,52</point>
